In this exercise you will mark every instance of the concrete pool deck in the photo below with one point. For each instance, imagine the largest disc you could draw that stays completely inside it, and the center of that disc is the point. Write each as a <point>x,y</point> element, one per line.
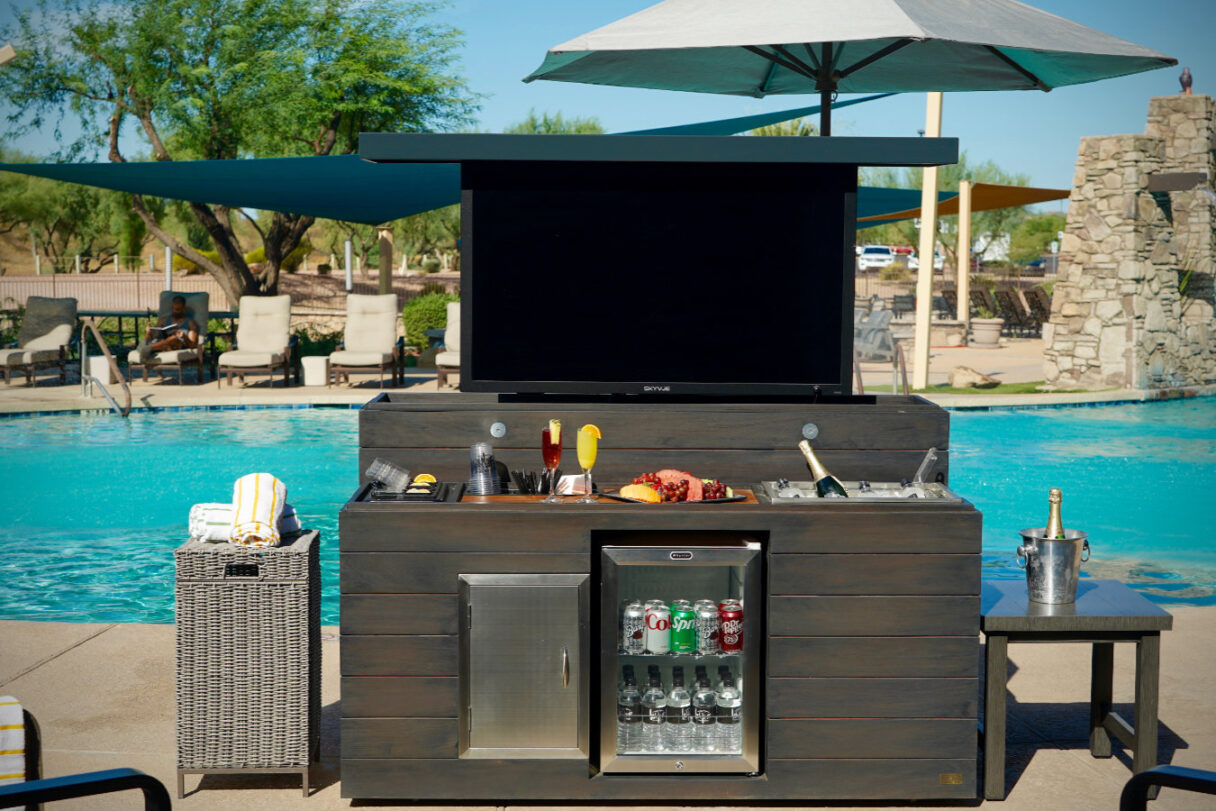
<point>104,697</point>
<point>1018,360</point>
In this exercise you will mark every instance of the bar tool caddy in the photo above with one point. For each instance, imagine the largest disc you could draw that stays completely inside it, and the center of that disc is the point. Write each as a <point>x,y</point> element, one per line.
<point>1052,557</point>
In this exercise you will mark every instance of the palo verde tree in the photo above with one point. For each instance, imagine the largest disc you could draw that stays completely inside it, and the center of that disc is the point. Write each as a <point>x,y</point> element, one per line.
<point>225,79</point>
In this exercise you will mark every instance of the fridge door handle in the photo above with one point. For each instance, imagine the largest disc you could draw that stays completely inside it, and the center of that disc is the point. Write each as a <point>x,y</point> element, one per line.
<point>565,667</point>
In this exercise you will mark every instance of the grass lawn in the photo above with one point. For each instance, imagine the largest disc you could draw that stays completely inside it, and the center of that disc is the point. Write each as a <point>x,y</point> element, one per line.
<point>1004,388</point>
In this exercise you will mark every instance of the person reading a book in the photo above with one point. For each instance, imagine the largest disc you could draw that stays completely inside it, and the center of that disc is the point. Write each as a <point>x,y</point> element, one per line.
<point>177,330</point>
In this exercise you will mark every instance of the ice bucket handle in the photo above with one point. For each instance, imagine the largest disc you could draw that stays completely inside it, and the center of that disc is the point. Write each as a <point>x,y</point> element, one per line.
<point>1085,550</point>
<point>1024,553</point>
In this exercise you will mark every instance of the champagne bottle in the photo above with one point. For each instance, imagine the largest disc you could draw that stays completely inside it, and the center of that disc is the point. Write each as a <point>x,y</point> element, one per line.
<point>1055,527</point>
<point>826,485</point>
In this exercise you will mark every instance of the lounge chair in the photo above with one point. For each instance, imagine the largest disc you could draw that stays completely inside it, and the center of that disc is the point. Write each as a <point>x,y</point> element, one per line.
<point>370,340</point>
<point>903,304</point>
<point>448,360</point>
<point>872,338</point>
<point>951,299</point>
<point>1017,316</point>
<point>198,308</point>
<point>44,339</point>
<point>263,339</point>
<point>1039,303</point>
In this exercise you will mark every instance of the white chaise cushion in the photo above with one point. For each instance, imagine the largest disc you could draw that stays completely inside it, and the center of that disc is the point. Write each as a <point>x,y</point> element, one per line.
<point>20,357</point>
<point>171,356</point>
<point>345,357</point>
<point>447,359</point>
<point>246,358</point>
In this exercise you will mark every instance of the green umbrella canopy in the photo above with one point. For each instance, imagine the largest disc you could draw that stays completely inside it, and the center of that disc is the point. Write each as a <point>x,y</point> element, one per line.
<point>761,47</point>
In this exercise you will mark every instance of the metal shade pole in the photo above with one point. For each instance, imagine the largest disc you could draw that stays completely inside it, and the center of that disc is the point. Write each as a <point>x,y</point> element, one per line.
<point>928,238</point>
<point>964,254</point>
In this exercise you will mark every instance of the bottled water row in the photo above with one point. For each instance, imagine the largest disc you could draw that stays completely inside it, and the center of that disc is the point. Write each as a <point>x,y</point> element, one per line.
<point>688,719</point>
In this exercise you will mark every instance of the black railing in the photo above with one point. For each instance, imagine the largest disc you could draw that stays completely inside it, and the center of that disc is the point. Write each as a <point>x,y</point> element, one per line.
<point>89,784</point>
<point>1136,791</point>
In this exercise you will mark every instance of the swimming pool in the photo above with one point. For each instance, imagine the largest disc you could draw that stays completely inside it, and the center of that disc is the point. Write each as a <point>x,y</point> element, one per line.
<point>91,507</point>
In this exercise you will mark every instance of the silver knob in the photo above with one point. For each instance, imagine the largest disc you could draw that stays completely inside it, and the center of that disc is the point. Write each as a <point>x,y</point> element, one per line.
<point>498,430</point>
<point>810,431</point>
<point>679,764</point>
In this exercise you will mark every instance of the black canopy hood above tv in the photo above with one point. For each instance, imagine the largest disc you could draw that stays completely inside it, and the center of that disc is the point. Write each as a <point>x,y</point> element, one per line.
<point>678,266</point>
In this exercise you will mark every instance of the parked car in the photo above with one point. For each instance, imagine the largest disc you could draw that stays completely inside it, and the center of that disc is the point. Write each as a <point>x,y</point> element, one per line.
<point>875,256</point>
<point>939,261</point>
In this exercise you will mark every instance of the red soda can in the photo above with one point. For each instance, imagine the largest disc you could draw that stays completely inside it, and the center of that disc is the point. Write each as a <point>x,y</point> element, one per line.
<point>730,615</point>
<point>658,628</point>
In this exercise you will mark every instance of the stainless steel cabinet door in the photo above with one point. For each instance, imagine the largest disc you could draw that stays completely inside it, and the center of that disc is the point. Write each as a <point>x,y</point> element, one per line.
<point>524,665</point>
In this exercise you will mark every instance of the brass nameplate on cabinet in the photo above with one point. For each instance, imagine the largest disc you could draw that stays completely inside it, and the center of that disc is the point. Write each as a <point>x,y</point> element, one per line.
<point>951,779</point>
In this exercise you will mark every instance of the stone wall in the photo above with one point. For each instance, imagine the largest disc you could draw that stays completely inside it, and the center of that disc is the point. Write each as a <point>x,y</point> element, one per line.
<point>1119,317</point>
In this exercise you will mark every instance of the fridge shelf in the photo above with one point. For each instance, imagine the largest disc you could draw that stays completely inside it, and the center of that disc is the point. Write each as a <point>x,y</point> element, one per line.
<point>667,657</point>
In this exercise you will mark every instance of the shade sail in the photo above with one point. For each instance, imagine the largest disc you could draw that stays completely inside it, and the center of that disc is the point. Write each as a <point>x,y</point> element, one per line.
<point>984,197</point>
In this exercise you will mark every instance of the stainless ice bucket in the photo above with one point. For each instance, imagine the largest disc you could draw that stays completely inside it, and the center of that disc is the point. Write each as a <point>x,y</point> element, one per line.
<point>1052,564</point>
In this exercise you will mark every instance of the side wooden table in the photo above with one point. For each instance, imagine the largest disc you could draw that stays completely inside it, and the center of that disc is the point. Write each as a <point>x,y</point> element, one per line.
<point>1106,612</point>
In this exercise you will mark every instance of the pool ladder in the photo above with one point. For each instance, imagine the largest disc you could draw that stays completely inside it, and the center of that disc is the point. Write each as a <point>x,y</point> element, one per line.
<point>86,379</point>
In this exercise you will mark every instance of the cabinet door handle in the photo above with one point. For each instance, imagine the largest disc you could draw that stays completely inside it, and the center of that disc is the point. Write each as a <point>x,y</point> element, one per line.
<point>565,667</point>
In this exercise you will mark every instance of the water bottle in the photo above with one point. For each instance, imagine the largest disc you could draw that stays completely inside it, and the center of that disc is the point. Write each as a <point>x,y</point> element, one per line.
<point>730,717</point>
<point>704,706</point>
<point>679,714</point>
<point>628,716</point>
<point>654,716</point>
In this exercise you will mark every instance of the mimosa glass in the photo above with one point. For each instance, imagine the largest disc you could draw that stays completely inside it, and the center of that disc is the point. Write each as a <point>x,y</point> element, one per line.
<point>588,445</point>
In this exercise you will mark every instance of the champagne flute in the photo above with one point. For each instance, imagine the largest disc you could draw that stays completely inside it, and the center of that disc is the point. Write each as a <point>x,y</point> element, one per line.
<point>551,452</point>
<point>588,444</point>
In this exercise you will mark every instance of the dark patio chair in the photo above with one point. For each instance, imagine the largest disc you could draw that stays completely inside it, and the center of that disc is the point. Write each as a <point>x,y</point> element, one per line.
<point>981,298</point>
<point>942,308</point>
<point>1018,319</point>
<point>1039,303</point>
<point>951,298</point>
<point>902,304</point>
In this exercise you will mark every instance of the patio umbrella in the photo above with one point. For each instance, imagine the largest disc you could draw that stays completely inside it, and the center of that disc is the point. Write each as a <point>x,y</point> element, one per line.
<point>762,47</point>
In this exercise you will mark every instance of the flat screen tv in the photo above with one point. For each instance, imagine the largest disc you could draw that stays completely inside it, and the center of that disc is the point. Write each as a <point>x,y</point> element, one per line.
<point>662,279</point>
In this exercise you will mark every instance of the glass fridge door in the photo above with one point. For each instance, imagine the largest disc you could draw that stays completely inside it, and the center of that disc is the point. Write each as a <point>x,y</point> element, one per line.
<point>680,639</point>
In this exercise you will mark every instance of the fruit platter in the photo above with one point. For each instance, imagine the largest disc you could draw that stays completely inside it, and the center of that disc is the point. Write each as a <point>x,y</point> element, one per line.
<point>674,486</point>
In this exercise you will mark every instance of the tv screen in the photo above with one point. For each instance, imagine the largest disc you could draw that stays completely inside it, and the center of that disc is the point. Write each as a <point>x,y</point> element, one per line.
<point>697,279</point>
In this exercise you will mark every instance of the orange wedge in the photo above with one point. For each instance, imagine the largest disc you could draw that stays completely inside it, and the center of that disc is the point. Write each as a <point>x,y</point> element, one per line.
<point>424,477</point>
<point>592,429</point>
<point>555,432</point>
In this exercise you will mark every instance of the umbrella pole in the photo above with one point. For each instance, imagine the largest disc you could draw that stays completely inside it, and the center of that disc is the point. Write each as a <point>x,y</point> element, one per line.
<point>825,109</point>
<point>928,239</point>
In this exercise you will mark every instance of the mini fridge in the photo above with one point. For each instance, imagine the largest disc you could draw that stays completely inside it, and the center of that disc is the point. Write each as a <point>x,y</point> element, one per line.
<point>681,626</point>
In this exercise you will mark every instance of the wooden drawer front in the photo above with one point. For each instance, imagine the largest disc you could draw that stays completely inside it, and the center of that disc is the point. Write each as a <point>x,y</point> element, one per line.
<point>399,655</point>
<point>871,738</point>
<point>400,696</point>
<point>883,428</point>
<point>895,657</point>
<point>874,616</point>
<point>900,779</point>
<point>875,574</point>
<point>407,528</point>
<point>617,465</point>
<point>872,698</point>
<point>399,737</point>
<point>399,614</point>
<point>436,572</point>
<point>897,529</point>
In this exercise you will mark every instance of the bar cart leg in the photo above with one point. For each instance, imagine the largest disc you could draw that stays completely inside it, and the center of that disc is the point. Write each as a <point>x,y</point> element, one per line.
<point>1100,697</point>
<point>996,649</point>
<point>1148,661</point>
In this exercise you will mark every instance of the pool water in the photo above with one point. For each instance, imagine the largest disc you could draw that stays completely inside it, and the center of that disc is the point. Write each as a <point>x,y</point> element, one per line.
<point>91,506</point>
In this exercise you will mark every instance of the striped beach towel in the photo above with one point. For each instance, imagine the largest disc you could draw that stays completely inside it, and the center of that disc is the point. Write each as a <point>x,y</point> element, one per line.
<point>213,522</point>
<point>12,741</point>
<point>257,501</point>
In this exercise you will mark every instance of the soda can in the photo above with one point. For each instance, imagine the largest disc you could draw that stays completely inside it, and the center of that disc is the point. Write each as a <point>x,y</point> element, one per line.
<point>683,627</point>
<point>658,628</point>
<point>707,627</point>
<point>633,628</point>
<point>730,633</point>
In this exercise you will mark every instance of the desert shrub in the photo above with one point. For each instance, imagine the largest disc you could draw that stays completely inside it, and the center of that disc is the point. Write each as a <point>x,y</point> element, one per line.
<point>897,271</point>
<point>316,341</point>
<point>429,311</point>
<point>431,265</point>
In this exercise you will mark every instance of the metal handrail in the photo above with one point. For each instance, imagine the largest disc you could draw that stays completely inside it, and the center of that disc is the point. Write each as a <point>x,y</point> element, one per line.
<point>85,378</point>
<point>53,789</point>
<point>1136,791</point>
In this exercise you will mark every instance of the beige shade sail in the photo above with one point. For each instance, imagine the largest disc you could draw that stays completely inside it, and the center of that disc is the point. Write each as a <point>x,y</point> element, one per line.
<point>984,197</point>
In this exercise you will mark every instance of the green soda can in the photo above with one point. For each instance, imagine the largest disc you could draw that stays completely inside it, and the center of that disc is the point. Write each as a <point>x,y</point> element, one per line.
<point>683,628</point>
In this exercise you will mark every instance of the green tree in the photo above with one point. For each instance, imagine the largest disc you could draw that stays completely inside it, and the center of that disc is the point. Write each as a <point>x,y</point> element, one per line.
<point>223,79</point>
<point>797,126</point>
<point>555,124</point>
<point>63,220</point>
<point>1034,235</point>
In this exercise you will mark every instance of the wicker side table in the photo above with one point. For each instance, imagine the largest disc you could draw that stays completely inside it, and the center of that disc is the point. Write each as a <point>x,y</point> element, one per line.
<point>248,658</point>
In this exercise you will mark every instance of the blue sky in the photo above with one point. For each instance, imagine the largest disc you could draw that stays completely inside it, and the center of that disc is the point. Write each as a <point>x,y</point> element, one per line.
<point>1025,132</point>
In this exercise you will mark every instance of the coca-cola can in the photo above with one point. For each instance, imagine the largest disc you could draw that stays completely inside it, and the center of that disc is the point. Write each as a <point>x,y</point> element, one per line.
<point>730,636</point>
<point>658,628</point>
<point>707,627</point>
<point>633,627</point>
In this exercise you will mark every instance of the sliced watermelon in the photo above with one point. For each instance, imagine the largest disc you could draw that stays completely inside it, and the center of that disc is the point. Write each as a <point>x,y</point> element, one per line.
<point>676,476</point>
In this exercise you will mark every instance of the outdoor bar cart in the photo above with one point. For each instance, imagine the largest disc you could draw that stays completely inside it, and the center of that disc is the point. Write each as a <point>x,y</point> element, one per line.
<point>482,646</point>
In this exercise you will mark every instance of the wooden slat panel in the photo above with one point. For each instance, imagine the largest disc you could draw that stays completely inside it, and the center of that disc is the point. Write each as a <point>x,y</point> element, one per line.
<point>617,465</point>
<point>826,657</point>
<point>871,427</point>
<point>872,698</point>
<point>874,616</point>
<point>871,738</point>
<point>406,697</point>
<point>399,737</point>
<point>890,528</point>
<point>436,573</point>
<point>492,780</point>
<point>406,528</point>
<point>399,614</point>
<point>875,574</point>
<point>399,655</point>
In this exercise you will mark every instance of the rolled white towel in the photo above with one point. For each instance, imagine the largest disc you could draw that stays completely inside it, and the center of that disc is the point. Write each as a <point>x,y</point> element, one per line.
<point>257,501</point>
<point>212,523</point>
<point>12,741</point>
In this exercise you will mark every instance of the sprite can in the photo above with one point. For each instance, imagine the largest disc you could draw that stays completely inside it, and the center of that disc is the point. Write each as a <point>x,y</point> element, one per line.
<point>683,628</point>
